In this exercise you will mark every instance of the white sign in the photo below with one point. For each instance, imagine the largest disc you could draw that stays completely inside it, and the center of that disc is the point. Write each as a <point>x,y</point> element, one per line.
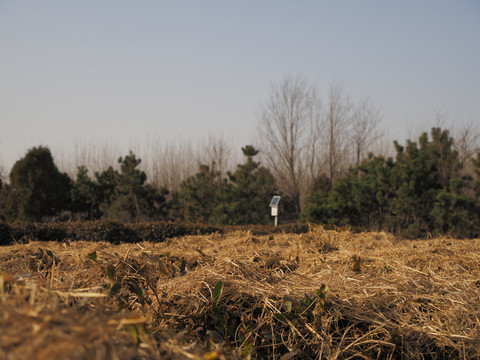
<point>274,210</point>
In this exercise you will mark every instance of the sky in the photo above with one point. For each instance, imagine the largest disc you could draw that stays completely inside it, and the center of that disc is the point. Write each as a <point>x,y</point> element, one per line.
<point>118,71</point>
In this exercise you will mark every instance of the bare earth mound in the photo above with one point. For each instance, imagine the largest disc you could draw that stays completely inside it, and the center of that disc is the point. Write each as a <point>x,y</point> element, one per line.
<point>324,294</point>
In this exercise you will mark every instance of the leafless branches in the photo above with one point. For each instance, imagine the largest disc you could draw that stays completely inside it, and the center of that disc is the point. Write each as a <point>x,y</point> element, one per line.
<point>96,156</point>
<point>289,126</point>
<point>467,144</point>
<point>218,152</point>
<point>303,140</point>
<point>338,119</point>
<point>167,162</point>
<point>365,129</point>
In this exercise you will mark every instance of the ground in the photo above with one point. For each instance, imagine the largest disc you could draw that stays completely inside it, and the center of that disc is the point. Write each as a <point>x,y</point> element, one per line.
<point>323,294</point>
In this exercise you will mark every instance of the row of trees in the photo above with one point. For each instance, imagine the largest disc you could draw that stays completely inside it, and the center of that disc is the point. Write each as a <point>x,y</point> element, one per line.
<point>316,155</point>
<point>306,135</point>
<point>300,134</point>
<point>38,191</point>
<point>424,189</point>
<point>165,161</point>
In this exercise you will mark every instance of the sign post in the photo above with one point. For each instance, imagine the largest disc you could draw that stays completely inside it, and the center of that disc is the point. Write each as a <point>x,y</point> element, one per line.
<point>274,205</point>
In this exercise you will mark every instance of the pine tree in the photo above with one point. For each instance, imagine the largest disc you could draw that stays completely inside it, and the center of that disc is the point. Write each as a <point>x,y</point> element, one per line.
<point>85,196</point>
<point>133,200</point>
<point>38,190</point>
<point>445,157</point>
<point>199,195</point>
<point>372,191</point>
<point>417,183</point>
<point>106,182</point>
<point>419,192</point>
<point>246,198</point>
<point>476,183</point>
<point>316,208</point>
<point>455,212</point>
<point>3,198</point>
<point>360,198</point>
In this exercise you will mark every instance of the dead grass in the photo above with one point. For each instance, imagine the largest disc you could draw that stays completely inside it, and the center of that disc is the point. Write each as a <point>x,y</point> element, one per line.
<point>324,294</point>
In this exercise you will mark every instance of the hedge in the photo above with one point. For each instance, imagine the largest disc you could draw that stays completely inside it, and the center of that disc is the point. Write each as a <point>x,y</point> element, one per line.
<point>115,232</point>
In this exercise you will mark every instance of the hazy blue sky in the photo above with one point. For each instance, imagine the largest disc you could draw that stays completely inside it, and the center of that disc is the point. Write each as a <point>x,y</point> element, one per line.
<point>121,70</point>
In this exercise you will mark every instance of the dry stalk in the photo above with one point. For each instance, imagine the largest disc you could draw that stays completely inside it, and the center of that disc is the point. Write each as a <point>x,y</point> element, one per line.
<point>290,296</point>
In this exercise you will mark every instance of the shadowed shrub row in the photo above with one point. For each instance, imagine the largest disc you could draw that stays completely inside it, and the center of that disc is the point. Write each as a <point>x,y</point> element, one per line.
<point>116,232</point>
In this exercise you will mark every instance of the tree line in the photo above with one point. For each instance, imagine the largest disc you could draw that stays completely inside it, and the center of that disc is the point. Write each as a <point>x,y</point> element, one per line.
<point>423,189</point>
<point>38,191</point>
<point>323,156</point>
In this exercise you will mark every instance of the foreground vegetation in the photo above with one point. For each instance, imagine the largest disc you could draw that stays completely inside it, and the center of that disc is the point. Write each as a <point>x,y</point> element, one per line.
<point>239,295</point>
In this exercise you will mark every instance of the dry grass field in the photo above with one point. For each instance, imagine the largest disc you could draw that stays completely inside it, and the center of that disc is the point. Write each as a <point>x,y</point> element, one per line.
<point>323,294</point>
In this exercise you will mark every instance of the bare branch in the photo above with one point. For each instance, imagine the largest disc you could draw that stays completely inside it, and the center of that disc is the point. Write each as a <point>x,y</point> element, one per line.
<point>338,119</point>
<point>365,132</point>
<point>467,144</point>
<point>289,124</point>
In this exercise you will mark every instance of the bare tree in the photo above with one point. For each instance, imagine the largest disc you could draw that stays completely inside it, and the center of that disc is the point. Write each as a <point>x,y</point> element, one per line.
<point>383,147</point>
<point>365,132</point>
<point>338,118</point>
<point>289,127</point>
<point>217,152</point>
<point>95,156</point>
<point>168,162</point>
<point>467,144</point>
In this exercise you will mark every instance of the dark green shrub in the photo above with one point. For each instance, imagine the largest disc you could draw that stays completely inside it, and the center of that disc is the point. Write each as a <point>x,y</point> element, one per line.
<point>159,231</point>
<point>41,190</point>
<point>5,235</point>
<point>23,231</point>
<point>113,232</point>
<point>52,232</point>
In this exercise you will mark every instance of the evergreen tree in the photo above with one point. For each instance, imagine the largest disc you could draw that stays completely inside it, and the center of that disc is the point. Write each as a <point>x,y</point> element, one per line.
<point>37,190</point>
<point>3,197</point>
<point>416,184</point>
<point>133,200</point>
<point>420,191</point>
<point>360,198</point>
<point>421,173</point>
<point>343,205</point>
<point>243,198</point>
<point>455,212</point>
<point>106,182</point>
<point>85,196</point>
<point>199,195</point>
<point>246,198</point>
<point>377,191</point>
<point>444,155</point>
<point>476,183</point>
<point>316,208</point>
